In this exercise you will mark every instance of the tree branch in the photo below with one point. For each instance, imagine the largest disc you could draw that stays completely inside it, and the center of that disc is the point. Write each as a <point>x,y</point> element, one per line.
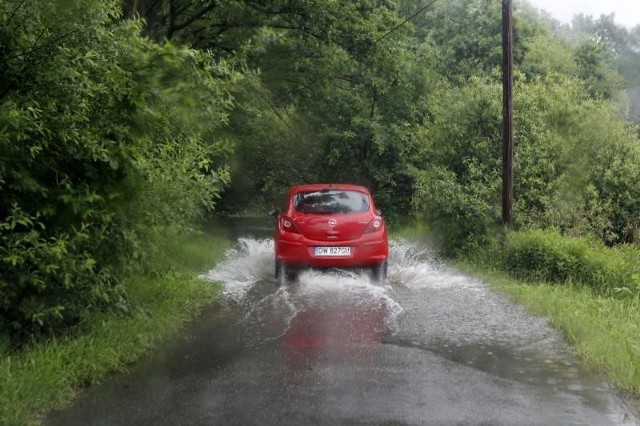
<point>173,12</point>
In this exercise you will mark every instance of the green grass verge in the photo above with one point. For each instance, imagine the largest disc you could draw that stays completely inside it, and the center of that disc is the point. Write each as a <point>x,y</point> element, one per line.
<point>46,375</point>
<point>605,331</point>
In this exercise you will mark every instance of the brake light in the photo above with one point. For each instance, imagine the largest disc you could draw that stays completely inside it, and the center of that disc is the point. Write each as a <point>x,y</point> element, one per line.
<point>287,225</point>
<point>375,225</point>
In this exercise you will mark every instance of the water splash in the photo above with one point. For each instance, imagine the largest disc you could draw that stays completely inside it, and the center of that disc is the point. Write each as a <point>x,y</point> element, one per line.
<point>414,271</point>
<point>248,262</point>
<point>247,274</point>
<point>414,266</point>
<point>251,261</point>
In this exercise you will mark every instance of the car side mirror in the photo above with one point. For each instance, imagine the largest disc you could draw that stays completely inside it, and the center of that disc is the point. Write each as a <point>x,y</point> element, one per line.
<point>378,212</point>
<point>273,213</point>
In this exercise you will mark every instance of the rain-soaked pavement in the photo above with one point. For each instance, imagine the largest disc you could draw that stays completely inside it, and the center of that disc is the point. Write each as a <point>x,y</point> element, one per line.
<point>432,347</point>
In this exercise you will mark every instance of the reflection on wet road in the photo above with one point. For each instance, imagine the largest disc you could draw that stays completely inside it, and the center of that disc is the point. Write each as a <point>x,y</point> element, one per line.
<point>431,347</point>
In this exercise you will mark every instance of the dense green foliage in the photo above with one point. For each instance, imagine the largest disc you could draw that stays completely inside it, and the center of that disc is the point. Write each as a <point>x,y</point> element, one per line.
<point>104,136</point>
<point>414,112</point>
<point>548,256</point>
<point>122,118</point>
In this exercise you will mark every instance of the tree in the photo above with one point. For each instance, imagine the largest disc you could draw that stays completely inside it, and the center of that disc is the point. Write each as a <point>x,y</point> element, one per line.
<point>99,145</point>
<point>328,83</point>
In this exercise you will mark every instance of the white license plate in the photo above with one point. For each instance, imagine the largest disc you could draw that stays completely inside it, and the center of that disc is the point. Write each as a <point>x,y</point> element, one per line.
<point>332,251</point>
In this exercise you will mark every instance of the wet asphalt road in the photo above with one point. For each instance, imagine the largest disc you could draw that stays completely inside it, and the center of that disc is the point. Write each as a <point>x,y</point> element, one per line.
<point>430,348</point>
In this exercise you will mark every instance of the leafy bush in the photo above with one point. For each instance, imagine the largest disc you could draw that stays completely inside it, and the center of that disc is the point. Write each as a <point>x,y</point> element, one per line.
<point>105,137</point>
<point>552,257</point>
<point>49,283</point>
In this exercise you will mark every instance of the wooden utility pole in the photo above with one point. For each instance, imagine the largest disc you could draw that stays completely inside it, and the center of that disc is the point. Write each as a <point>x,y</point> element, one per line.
<point>507,114</point>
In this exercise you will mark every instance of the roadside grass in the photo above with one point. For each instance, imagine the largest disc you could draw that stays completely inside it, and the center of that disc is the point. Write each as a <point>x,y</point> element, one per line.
<point>195,253</point>
<point>588,291</point>
<point>47,375</point>
<point>604,331</point>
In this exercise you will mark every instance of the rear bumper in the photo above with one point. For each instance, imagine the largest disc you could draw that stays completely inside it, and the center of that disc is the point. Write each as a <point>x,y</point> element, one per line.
<point>299,252</point>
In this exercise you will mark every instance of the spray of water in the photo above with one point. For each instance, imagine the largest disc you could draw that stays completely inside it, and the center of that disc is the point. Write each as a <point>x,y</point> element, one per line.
<point>415,267</point>
<point>248,276</point>
<point>250,261</point>
<point>414,271</point>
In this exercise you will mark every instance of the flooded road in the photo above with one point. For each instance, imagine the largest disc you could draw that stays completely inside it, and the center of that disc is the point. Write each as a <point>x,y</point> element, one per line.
<point>432,347</point>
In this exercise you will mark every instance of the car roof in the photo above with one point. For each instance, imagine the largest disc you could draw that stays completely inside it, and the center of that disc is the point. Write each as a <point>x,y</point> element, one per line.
<point>326,186</point>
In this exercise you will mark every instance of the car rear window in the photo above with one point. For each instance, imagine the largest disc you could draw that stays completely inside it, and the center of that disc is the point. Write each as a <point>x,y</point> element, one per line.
<point>331,201</point>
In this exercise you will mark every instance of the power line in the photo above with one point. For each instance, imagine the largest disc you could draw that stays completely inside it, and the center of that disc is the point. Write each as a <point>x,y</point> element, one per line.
<point>422,9</point>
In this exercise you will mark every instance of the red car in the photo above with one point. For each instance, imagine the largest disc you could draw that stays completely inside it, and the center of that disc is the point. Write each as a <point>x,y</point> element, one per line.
<point>330,226</point>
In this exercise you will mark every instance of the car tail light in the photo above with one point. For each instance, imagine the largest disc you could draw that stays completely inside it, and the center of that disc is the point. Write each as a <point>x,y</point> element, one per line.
<point>287,225</point>
<point>375,225</point>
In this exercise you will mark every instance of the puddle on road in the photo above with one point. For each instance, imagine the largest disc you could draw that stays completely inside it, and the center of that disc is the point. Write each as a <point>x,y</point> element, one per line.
<point>422,301</point>
<point>424,306</point>
<point>430,347</point>
<point>341,299</point>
